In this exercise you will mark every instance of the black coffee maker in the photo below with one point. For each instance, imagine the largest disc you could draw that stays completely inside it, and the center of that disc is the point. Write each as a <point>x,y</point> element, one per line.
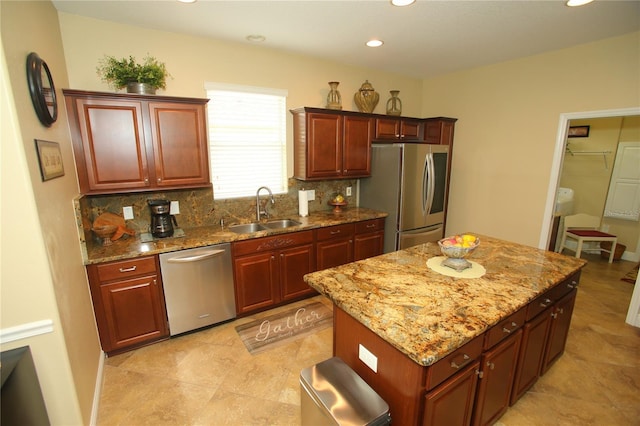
<point>161,226</point>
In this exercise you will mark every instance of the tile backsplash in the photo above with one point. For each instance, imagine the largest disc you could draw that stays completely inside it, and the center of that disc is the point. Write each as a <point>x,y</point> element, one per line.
<point>198,207</point>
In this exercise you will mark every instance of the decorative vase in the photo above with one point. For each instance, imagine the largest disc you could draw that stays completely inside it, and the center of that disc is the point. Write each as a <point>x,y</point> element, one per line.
<point>141,88</point>
<point>334,100</point>
<point>394,104</point>
<point>366,98</point>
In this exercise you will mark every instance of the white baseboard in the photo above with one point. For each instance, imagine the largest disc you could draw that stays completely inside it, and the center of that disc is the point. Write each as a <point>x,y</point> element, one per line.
<point>97,391</point>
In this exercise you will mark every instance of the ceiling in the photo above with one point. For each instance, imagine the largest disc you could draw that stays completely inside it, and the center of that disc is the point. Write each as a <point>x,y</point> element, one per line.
<point>423,40</point>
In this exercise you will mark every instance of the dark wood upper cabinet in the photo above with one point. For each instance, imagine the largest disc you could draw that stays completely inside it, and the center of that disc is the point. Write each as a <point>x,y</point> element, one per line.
<point>131,143</point>
<point>331,144</point>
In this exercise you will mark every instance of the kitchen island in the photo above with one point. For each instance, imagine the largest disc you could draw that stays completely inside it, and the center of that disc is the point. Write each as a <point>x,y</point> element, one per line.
<point>417,336</point>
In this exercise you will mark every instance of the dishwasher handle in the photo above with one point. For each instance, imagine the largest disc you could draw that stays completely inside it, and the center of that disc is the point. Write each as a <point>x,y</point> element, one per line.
<point>195,258</point>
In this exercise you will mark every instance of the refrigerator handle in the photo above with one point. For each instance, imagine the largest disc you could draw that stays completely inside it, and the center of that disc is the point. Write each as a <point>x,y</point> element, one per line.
<point>429,183</point>
<point>425,185</point>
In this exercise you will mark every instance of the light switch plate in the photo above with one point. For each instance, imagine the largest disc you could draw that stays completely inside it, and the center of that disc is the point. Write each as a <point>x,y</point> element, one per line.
<point>368,358</point>
<point>127,212</point>
<point>311,194</point>
<point>175,208</point>
<point>348,191</point>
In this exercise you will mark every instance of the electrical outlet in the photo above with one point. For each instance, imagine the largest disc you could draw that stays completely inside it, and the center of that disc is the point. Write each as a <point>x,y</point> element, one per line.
<point>175,208</point>
<point>127,212</point>
<point>348,191</point>
<point>368,358</point>
<point>311,194</point>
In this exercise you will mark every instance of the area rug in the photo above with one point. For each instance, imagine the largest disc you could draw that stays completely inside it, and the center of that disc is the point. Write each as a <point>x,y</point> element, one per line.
<point>632,275</point>
<point>277,329</point>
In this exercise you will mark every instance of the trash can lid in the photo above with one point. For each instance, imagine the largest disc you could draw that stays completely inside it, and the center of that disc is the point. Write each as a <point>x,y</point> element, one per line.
<point>347,398</point>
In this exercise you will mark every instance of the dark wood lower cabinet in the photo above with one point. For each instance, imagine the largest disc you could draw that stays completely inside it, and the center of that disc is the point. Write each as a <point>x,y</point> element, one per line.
<point>451,403</point>
<point>474,384</point>
<point>269,271</point>
<point>561,314</point>
<point>128,302</point>
<point>497,369</point>
<point>534,339</point>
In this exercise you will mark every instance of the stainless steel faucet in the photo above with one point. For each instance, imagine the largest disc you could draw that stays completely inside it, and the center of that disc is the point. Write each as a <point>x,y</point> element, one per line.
<point>262,212</point>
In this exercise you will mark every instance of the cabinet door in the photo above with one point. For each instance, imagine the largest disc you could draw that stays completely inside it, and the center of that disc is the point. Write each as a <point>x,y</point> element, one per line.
<point>451,403</point>
<point>256,279</point>
<point>558,330</point>
<point>387,129</point>
<point>334,252</point>
<point>294,264</point>
<point>358,133</point>
<point>534,340</point>
<point>179,144</point>
<point>134,312</point>
<point>411,130</point>
<point>497,368</point>
<point>439,131</point>
<point>368,245</point>
<point>112,144</point>
<point>324,145</point>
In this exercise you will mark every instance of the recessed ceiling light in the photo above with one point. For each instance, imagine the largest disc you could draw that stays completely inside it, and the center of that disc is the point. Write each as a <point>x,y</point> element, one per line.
<point>256,38</point>
<point>375,43</point>
<point>574,3</point>
<point>402,2</point>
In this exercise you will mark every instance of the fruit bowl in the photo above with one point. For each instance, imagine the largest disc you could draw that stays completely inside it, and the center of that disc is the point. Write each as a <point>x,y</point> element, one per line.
<point>456,248</point>
<point>337,206</point>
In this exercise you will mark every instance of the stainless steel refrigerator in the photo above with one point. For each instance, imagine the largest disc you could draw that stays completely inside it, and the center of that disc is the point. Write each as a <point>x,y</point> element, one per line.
<point>409,182</point>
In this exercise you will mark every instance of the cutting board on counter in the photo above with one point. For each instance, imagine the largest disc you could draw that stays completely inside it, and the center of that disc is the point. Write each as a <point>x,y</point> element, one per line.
<point>109,218</point>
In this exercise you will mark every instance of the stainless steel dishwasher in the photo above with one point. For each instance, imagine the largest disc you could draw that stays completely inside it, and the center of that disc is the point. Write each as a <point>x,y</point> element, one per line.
<point>198,287</point>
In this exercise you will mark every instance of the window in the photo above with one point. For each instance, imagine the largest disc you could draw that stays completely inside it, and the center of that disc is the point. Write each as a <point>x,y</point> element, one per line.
<point>247,139</point>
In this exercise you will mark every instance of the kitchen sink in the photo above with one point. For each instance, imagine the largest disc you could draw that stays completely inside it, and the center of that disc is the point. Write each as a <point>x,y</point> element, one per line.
<point>281,223</point>
<point>246,228</point>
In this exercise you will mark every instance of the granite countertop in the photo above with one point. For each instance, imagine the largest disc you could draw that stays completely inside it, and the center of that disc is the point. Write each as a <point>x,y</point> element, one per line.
<point>132,247</point>
<point>427,315</point>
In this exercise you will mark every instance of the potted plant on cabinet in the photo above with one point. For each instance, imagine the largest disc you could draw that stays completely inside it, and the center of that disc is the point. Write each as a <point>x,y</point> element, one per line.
<point>142,78</point>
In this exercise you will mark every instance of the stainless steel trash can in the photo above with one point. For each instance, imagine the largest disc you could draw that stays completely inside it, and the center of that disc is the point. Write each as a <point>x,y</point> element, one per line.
<point>331,393</point>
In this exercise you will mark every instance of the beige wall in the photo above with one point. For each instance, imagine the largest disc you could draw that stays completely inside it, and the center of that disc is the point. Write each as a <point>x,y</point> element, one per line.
<point>192,61</point>
<point>508,119</point>
<point>42,272</point>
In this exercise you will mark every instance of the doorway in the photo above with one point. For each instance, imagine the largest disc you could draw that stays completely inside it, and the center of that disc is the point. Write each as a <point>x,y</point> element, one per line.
<point>558,159</point>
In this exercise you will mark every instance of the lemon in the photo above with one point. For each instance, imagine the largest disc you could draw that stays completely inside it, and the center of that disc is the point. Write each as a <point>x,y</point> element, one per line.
<point>467,238</point>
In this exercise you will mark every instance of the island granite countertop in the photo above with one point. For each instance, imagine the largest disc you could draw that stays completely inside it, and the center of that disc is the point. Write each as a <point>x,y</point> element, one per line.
<point>132,247</point>
<point>427,315</point>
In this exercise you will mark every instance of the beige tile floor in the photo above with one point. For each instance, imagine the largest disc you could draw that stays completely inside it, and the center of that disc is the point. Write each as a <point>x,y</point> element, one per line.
<point>209,378</point>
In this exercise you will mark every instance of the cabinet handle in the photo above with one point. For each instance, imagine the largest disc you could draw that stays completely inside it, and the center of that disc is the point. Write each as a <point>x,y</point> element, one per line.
<point>159,180</point>
<point>573,284</point>
<point>146,181</point>
<point>371,225</point>
<point>506,330</point>
<point>554,315</point>
<point>479,374</point>
<point>546,303</point>
<point>465,359</point>
<point>334,232</point>
<point>155,282</point>
<point>133,268</point>
<point>561,311</point>
<point>491,365</point>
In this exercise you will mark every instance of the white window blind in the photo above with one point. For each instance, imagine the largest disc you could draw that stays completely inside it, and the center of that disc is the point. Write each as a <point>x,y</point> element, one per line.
<point>247,139</point>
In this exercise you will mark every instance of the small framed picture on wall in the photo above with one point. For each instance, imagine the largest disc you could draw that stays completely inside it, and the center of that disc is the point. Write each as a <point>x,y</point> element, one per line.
<point>578,132</point>
<point>50,159</point>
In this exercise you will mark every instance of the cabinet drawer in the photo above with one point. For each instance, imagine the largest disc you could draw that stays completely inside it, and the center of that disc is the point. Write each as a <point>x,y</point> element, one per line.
<point>338,231</point>
<point>126,269</point>
<point>552,295</point>
<point>453,363</point>
<point>369,226</point>
<point>505,328</point>
<point>258,245</point>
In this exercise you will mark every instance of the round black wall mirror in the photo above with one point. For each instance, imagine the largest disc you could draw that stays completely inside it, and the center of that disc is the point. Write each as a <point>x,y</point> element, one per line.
<point>42,90</point>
